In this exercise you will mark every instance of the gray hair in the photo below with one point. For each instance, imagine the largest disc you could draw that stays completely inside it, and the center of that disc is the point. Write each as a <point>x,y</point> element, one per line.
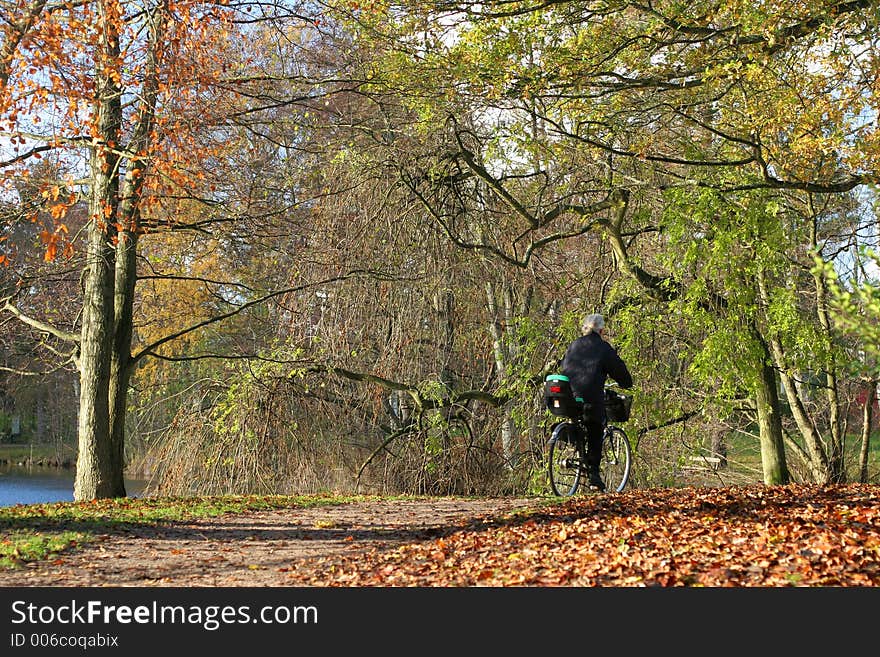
<point>593,323</point>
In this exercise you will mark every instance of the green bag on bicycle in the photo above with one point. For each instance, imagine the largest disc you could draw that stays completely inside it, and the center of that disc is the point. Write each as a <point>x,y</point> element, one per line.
<point>558,397</point>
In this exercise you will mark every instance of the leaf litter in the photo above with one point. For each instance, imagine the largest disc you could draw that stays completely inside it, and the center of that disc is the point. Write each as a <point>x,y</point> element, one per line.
<point>749,536</point>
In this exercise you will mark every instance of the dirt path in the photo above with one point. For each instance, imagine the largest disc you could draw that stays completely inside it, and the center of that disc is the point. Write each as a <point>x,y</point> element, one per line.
<point>291,547</point>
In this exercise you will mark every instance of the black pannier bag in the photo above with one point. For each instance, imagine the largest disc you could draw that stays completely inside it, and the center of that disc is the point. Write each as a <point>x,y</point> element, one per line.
<point>617,406</point>
<point>558,397</point>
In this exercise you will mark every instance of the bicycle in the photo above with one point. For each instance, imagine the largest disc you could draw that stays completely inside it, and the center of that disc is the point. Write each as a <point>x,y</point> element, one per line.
<point>567,451</point>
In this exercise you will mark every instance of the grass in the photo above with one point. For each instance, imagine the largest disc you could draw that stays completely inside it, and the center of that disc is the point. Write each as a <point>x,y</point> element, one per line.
<point>744,456</point>
<point>31,532</point>
<point>19,453</point>
<point>19,546</point>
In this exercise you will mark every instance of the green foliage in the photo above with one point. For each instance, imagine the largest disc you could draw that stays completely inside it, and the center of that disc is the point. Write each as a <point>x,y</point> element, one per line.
<point>807,347</point>
<point>569,327</point>
<point>730,245</point>
<point>229,412</point>
<point>858,309</point>
<point>525,343</point>
<point>433,390</point>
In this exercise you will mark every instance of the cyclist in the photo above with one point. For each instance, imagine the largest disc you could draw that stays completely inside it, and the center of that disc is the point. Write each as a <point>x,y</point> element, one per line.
<point>588,362</point>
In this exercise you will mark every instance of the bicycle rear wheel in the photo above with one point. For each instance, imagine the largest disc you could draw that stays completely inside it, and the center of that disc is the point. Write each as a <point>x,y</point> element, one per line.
<point>616,459</point>
<point>565,458</point>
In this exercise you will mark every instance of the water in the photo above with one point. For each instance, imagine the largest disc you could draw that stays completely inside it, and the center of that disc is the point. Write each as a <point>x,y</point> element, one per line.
<point>36,485</point>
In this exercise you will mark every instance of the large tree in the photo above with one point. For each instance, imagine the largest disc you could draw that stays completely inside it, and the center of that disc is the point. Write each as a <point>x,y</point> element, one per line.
<point>129,94</point>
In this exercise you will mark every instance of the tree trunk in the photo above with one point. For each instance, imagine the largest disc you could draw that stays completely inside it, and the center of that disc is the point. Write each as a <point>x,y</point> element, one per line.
<point>120,367</point>
<point>508,432</point>
<point>773,461</point>
<point>129,213</point>
<point>836,461</point>
<point>719,449</point>
<point>836,464</point>
<point>95,476</point>
<point>94,469</point>
<point>867,421</point>
<point>40,416</point>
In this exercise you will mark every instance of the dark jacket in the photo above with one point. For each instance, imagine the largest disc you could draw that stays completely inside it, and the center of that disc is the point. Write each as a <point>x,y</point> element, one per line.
<point>588,362</point>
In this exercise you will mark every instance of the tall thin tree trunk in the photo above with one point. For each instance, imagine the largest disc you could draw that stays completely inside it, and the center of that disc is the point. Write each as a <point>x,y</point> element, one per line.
<point>773,463</point>
<point>508,434</point>
<point>95,477</point>
<point>40,416</point>
<point>124,205</point>
<point>836,464</point>
<point>867,422</point>
<point>120,366</point>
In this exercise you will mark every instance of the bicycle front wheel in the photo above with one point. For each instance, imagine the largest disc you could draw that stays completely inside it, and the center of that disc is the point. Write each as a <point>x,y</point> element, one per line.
<point>616,459</point>
<point>565,458</point>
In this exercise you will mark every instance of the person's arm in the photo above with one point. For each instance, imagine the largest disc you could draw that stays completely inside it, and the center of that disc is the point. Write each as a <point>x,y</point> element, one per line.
<point>618,370</point>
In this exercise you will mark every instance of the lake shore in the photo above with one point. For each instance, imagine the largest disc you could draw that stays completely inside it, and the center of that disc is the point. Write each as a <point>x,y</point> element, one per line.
<point>39,462</point>
<point>38,455</point>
